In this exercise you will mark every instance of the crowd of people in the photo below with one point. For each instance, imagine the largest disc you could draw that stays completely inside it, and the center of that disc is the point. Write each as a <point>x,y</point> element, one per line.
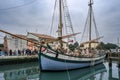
<point>21,52</point>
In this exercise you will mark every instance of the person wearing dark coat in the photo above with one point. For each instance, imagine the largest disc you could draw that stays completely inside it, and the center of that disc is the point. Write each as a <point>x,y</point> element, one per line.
<point>10,52</point>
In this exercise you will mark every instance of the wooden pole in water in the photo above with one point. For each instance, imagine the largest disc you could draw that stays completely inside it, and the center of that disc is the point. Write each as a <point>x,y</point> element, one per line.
<point>109,59</point>
<point>110,73</point>
<point>118,59</point>
<point>119,74</point>
<point>39,58</point>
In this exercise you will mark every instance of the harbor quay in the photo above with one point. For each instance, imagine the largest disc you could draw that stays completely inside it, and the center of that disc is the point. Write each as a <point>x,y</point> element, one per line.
<point>6,60</point>
<point>17,57</point>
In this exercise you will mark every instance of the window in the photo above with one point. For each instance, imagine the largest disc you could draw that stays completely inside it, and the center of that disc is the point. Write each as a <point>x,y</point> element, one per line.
<point>16,43</point>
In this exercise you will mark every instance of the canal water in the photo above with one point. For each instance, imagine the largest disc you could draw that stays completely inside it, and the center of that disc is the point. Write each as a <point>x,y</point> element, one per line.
<point>30,71</point>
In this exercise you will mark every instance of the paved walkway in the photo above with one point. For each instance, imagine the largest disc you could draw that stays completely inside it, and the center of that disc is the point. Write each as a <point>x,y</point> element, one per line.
<point>18,57</point>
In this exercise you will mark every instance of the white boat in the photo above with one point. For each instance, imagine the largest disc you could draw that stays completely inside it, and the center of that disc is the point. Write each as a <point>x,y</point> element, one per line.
<point>58,60</point>
<point>49,62</point>
<point>79,74</point>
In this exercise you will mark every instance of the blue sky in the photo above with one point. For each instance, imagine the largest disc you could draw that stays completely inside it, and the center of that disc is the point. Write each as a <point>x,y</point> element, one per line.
<point>35,16</point>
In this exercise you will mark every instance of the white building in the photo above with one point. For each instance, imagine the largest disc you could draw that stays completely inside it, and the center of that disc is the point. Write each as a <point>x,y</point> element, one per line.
<point>13,43</point>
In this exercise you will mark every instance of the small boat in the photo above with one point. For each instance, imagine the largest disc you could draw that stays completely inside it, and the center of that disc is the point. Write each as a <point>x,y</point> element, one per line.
<point>51,59</point>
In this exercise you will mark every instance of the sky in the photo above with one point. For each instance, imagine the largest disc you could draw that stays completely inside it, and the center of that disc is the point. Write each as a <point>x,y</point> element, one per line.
<point>22,16</point>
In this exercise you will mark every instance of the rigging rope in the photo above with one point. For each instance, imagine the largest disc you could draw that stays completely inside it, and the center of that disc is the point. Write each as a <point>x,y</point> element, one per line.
<point>85,25</point>
<point>95,26</point>
<point>68,74</point>
<point>53,17</point>
<point>97,33</point>
<point>67,19</point>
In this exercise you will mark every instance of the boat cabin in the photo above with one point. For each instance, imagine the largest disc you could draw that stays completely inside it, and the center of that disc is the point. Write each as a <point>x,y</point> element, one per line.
<point>85,45</point>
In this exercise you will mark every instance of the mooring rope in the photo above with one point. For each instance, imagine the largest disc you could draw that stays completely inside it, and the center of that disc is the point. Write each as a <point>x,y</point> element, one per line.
<point>68,74</point>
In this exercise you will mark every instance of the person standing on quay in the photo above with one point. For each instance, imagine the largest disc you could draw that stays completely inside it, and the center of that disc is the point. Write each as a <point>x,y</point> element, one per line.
<point>10,52</point>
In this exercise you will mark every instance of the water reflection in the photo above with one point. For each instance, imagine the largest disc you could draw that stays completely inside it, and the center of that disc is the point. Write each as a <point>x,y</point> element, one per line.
<point>30,71</point>
<point>19,71</point>
<point>114,73</point>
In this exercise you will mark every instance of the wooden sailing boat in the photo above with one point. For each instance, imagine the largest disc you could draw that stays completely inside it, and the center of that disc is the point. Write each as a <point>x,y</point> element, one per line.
<point>57,60</point>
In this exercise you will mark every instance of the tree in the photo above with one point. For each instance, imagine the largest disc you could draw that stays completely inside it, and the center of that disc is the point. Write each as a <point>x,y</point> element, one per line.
<point>76,44</point>
<point>110,46</point>
<point>73,46</point>
<point>101,46</point>
<point>107,46</point>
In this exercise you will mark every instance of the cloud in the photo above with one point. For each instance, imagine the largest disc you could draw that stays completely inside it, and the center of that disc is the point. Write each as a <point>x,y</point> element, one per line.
<point>37,16</point>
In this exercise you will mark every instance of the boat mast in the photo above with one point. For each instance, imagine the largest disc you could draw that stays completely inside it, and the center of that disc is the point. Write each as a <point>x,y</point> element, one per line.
<point>60,24</point>
<point>90,26</point>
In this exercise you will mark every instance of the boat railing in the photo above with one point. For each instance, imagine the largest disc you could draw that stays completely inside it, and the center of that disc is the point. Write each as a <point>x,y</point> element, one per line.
<point>73,54</point>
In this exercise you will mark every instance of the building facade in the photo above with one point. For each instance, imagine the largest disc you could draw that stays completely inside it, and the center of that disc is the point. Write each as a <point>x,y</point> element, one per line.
<point>39,38</point>
<point>13,43</point>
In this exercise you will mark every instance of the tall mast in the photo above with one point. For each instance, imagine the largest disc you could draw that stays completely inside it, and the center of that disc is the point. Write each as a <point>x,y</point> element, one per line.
<point>90,26</point>
<point>60,24</point>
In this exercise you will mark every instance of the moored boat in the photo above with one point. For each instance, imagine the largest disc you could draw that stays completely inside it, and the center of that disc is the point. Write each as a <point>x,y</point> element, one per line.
<point>49,62</point>
<point>60,58</point>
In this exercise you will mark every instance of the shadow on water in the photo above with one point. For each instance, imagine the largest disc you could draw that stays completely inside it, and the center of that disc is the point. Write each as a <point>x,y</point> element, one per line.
<point>30,71</point>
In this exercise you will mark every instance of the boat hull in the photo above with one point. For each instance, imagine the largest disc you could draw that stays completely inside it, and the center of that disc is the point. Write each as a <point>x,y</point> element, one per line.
<point>48,63</point>
<point>79,74</point>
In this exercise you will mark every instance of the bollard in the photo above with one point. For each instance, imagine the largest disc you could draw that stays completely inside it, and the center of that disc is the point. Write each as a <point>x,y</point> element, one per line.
<point>118,60</point>
<point>110,73</point>
<point>109,59</point>
<point>110,62</point>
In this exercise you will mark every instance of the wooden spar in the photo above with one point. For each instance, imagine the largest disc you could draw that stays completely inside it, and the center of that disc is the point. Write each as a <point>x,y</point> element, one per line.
<point>63,37</point>
<point>67,36</point>
<point>92,40</point>
<point>37,43</point>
